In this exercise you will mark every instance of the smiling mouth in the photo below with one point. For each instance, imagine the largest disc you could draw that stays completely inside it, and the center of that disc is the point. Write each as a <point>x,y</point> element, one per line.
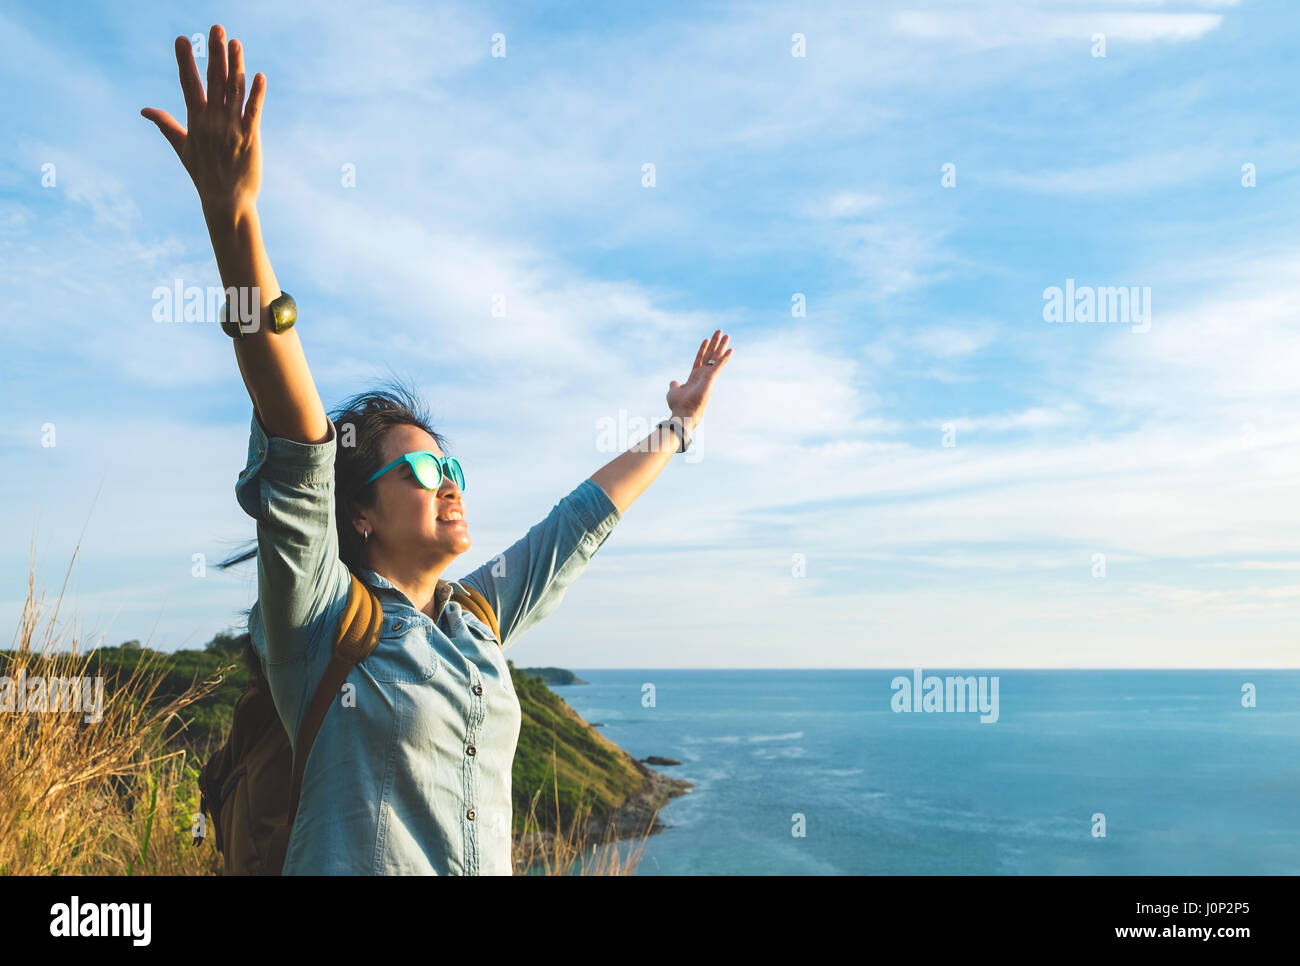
<point>452,516</point>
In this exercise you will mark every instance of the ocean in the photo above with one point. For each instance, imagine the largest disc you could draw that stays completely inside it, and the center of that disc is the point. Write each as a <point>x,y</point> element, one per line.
<point>811,772</point>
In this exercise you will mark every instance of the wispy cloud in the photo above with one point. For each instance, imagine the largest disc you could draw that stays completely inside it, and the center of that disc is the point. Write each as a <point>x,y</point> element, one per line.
<point>994,27</point>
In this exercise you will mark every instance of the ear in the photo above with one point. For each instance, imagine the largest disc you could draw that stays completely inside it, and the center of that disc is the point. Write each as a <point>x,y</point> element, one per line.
<point>360,522</point>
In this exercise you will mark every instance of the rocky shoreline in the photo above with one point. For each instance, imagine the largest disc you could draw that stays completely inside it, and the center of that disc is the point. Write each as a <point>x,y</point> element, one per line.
<point>635,817</point>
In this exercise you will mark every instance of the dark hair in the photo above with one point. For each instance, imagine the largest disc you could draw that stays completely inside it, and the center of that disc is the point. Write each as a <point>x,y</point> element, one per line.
<point>362,422</point>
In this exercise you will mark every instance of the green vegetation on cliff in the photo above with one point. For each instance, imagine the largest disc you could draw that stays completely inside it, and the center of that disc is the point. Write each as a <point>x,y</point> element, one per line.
<point>553,676</point>
<point>559,755</point>
<point>593,772</point>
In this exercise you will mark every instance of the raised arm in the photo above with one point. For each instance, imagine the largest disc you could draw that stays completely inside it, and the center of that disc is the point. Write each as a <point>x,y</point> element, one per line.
<point>526,582</point>
<point>287,485</point>
<point>221,148</point>
<point>627,476</point>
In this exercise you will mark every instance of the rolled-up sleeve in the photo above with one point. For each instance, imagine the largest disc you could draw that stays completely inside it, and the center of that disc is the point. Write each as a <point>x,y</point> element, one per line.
<point>288,488</point>
<point>528,580</point>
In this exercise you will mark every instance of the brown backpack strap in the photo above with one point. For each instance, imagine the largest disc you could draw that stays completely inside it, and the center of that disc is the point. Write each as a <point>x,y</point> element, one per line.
<point>477,604</point>
<point>357,634</point>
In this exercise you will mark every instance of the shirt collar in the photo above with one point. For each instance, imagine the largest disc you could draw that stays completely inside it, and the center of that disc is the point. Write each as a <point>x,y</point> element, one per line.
<point>441,593</point>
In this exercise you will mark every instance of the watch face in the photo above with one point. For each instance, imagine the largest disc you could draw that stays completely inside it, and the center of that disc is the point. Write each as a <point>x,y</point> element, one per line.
<point>284,312</point>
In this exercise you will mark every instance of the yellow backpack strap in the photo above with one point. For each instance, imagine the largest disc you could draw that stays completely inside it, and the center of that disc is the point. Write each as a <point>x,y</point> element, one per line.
<point>477,604</point>
<point>360,625</point>
<point>355,637</point>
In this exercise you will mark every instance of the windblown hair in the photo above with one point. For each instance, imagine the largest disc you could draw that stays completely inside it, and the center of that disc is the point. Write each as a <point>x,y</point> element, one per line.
<point>362,424</point>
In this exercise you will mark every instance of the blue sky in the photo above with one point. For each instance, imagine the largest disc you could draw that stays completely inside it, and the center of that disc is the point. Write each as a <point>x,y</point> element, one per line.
<point>1174,452</point>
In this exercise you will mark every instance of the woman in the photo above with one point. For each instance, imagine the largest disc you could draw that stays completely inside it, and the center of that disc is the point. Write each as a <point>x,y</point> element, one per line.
<point>412,774</point>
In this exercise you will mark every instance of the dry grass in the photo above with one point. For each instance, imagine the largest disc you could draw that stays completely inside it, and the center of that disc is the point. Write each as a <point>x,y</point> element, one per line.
<point>93,797</point>
<point>574,851</point>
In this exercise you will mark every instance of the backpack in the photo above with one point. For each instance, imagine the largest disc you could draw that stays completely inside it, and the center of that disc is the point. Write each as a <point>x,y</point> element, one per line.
<point>250,787</point>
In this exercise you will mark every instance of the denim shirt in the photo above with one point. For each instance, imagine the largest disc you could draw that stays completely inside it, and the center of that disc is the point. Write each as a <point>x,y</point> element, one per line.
<point>410,772</point>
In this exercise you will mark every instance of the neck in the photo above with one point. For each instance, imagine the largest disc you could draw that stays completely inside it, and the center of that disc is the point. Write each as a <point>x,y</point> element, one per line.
<point>416,582</point>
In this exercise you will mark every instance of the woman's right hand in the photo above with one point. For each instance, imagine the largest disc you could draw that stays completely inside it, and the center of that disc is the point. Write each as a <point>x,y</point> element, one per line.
<point>221,145</point>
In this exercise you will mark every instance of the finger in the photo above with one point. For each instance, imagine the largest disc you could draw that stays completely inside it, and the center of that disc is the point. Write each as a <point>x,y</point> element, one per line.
<point>171,129</point>
<point>253,112</point>
<point>713,342</point>
<point>235,81</point>
<point>699,355</point>
<point>723,361</point>
<point>191,84</point>
<point>217,66</point>
<point>718,349</point>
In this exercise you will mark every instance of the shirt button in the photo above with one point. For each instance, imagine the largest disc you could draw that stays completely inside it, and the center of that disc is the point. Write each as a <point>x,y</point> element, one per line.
<point>470,815</point>
<point>471,750</point>
<point>478,689</point>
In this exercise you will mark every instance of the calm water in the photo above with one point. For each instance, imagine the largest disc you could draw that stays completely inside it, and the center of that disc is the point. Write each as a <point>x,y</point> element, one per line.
<point>1189,781</point>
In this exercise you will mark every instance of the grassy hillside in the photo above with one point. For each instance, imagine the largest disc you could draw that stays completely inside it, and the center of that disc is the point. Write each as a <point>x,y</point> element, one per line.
<point>113,789</point>
<point>553,675</point>
<point>593,772</point>
<point>559,755</point>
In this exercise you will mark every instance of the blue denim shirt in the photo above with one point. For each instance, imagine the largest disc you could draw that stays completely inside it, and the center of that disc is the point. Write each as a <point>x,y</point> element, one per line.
<point>410,772</point>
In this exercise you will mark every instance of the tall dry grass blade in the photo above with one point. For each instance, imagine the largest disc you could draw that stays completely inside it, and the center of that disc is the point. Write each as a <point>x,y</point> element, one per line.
<point>89,784</point>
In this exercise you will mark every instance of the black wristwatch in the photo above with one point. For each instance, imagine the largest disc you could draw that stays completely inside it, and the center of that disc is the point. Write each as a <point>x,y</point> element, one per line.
<point>678,426</point>
<point>283,310</point>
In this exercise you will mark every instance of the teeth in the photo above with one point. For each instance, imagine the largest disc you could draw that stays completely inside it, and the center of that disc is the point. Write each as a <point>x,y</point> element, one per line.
<point>453,515</point>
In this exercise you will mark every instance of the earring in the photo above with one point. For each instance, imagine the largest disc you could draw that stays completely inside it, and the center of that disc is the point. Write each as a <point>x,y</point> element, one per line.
<point>365,535</point>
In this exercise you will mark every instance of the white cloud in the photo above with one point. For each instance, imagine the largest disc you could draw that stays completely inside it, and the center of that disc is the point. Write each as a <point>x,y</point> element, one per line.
<point>951,342</point>
<point>844,204</point>
<point>993,27</point>
<point>1037,417</point>
<point>1139,175</point>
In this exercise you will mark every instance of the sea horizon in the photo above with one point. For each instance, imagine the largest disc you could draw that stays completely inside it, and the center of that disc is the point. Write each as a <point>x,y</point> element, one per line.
<point>1080,771</point>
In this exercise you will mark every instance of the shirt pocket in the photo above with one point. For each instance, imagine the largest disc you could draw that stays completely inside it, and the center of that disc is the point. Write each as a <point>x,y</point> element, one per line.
<point>403,654</point>
<point>479,631</point>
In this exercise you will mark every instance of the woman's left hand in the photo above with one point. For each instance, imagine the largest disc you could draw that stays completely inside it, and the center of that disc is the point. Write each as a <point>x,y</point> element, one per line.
<point>689,399</point>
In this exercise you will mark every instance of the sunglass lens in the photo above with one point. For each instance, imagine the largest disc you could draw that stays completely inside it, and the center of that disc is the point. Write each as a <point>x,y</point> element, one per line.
<point>427,471</point>
<point>457,474</point>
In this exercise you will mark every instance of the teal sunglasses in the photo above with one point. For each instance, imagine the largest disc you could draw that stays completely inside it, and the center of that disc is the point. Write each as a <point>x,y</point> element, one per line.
<point>428,469</point>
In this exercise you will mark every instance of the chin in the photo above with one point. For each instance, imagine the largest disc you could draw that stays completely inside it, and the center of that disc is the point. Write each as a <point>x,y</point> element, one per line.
<point>453,542</point>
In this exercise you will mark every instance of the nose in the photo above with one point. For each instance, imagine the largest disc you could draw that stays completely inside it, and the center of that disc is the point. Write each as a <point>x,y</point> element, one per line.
<point>448,489</point>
